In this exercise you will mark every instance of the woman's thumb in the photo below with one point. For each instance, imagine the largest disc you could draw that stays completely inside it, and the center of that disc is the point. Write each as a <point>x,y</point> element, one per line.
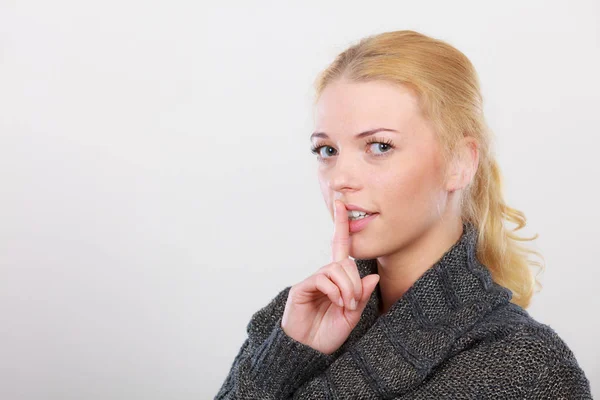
<point>369,284</point>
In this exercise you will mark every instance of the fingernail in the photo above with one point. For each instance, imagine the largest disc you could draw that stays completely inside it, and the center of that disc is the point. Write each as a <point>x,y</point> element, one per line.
<point>341,302</point>
<point>353,304</point>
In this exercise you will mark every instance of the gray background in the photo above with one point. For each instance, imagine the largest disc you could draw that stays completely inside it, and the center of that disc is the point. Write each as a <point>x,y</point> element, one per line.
<point>157,188</point>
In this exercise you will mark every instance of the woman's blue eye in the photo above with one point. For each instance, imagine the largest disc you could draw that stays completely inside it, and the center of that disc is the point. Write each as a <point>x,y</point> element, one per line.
<point>384,145</point>
<point>317,150</point>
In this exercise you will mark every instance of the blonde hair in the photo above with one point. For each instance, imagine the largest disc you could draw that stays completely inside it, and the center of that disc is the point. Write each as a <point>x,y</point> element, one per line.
<point>448,89</point>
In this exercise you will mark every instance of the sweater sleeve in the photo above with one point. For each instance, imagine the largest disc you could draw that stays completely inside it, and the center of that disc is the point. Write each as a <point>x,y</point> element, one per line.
<point>273,369</point>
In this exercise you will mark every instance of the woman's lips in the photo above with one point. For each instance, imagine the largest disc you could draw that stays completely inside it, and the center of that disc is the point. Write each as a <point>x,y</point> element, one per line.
<point>360,224</point>
<point>352,207</point>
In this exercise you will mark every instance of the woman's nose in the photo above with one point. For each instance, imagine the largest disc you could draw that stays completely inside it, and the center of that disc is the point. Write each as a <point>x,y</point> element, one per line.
<point>343,174</point>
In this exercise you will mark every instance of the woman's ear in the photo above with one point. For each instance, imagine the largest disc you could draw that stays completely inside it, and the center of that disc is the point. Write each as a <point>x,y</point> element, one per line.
<point>464,165</point>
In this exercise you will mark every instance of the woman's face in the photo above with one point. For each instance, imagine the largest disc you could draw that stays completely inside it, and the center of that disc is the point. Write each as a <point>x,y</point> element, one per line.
<point>399,176</point>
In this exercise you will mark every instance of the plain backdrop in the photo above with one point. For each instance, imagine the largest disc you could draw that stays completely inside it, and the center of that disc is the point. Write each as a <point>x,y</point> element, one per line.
<point>157,187</point>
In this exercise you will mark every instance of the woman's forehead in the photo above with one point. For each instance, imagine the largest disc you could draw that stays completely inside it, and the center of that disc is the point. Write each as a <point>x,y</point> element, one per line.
<point>356,107</point>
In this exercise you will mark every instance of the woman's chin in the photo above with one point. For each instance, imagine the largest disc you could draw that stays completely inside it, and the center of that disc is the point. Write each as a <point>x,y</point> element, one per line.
<point>361,251</point>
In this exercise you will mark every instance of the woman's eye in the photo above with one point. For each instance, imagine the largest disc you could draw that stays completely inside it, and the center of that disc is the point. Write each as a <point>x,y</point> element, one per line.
<point>328,151</point>
<point>318,150</point>
<point>379,146</point>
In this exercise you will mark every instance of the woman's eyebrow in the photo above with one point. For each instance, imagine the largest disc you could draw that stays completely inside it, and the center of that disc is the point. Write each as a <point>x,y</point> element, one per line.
<point>357,136</point>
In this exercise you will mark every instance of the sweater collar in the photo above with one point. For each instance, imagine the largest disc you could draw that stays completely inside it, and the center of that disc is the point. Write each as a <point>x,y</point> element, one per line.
<point>448,299</point>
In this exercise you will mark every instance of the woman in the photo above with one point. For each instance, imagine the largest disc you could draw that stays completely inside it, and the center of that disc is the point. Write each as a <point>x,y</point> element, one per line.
<point>432,305</point>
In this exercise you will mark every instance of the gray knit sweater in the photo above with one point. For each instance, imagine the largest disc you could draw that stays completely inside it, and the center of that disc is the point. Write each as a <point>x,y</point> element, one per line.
<point>453,335</point>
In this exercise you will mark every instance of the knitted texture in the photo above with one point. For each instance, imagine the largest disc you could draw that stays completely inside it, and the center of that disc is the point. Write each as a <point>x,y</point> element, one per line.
<point>454,334</point>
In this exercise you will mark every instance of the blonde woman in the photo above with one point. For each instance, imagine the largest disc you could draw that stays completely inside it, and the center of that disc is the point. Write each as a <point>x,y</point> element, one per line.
<point>432,303</point>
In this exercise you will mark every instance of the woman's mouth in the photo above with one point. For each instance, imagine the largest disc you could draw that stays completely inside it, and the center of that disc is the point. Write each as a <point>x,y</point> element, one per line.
<point>356,224</point>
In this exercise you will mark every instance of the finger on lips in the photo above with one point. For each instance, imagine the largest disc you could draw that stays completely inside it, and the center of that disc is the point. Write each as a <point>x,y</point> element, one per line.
<point>350,279</point>
<point>341,236</point>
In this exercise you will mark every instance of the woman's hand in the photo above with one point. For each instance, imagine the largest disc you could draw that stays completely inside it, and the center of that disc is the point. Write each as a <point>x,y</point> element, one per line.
<point>320,311</point>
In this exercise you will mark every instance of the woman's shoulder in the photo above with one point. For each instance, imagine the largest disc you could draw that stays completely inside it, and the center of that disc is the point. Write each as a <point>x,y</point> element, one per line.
<point>512,328</point>
<point>515,349</point>
<point>510,352</point>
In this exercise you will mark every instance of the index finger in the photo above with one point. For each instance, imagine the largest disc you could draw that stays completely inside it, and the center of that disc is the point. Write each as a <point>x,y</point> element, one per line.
<point>341,237</point>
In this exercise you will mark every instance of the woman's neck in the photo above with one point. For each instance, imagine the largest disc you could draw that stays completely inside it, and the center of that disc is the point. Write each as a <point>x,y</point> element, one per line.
<point>400,270</point>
